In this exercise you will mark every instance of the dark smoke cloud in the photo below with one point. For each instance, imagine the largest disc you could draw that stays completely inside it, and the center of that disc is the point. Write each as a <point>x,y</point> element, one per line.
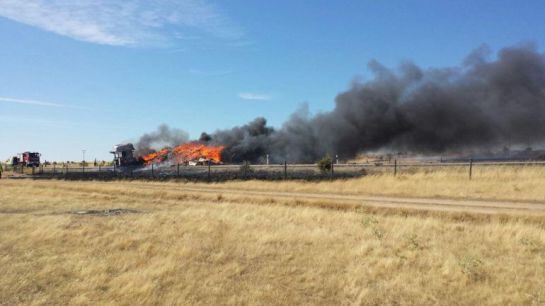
<point>480,104</point>
<point>248,142</point>
<point>162,137</point>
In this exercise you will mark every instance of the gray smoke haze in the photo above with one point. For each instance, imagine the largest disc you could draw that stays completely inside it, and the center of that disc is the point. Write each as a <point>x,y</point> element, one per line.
<point>482,103</point>
<point>162,137</point>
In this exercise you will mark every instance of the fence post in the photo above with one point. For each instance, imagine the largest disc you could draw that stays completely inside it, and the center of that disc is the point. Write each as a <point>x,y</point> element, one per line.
<point>244,168</point>
<point>470,168</point>
<point>98,168</point>
<point>82,168</point>
<point>332,169</point>
<point>54,171</point>
<point>33,170</point>
<point>41,169</point>
<point>208,170</point>
<point>395,167</point>
<point>285,170</point>
<point>178,169</point>
<point>152,172</point>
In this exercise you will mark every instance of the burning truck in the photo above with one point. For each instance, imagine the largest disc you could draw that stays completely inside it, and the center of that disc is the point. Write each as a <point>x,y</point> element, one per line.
<point>124,155</point>
<point>191,153</point>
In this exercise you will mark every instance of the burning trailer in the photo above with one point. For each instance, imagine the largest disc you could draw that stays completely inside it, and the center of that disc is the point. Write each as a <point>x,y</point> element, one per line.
<point>191,153</point>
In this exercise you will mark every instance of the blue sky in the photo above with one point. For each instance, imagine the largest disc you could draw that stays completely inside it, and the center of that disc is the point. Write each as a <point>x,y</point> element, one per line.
<point>92,73</point>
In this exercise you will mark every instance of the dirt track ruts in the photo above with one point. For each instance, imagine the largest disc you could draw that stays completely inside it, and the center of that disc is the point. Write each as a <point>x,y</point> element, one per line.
<point>337,201</point>
<point>447,205</point>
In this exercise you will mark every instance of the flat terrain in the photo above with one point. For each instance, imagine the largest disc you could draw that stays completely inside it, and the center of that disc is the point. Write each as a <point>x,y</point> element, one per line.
<point>340,201</point>
<point>341,242</point>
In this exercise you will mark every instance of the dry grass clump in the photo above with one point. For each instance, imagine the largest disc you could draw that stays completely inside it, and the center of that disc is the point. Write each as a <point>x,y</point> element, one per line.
<point>190,249</point>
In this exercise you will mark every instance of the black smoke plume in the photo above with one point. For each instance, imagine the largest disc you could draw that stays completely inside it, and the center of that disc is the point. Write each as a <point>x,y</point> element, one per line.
<point>164,136</point>
<point>482,103</point>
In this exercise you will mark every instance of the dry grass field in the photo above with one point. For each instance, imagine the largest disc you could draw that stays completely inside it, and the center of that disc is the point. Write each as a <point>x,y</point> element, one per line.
<point>181,247</point>
<point>515,183</point>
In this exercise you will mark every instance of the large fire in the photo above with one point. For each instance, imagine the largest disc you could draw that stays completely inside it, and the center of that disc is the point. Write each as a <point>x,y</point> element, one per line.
<point>156,157</point>
<point>187,152</point>
<point>195,151</point>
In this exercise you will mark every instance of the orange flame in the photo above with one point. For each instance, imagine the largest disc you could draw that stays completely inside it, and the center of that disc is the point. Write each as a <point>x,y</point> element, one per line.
<point>191,151</point>
<point>156,157</point>
<point>195,151</point>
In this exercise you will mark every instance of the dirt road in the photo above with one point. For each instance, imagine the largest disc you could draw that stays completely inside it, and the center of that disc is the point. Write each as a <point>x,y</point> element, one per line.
<point>452,205</point>
<point>326,200</point>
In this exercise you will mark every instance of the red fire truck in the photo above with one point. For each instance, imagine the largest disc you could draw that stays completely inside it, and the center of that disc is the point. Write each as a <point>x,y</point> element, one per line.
<point>30,159</point>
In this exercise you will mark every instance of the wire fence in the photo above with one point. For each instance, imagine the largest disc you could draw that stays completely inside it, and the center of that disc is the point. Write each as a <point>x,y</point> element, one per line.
<point>266,172</point>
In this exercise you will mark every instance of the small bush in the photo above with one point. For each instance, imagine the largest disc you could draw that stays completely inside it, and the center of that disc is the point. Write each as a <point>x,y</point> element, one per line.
<point>325,163</point>
<point>369,220</point>
<point>473,268</point>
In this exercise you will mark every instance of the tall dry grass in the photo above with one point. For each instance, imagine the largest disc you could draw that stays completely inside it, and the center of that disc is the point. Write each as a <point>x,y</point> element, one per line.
<point>186,249</point>
<point>523,183</point>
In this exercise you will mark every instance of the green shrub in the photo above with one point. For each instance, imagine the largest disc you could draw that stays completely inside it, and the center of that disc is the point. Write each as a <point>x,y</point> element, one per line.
<point>325,163</point>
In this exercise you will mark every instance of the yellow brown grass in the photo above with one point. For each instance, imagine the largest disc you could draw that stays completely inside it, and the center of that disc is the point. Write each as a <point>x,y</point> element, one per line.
<point>191,248</point>
<point>514,183</point>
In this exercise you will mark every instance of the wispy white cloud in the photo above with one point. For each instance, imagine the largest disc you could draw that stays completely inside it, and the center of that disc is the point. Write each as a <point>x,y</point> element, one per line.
<point>31,102</point>
<point>254,96</point>
<point>39,103</point>
<point>122,22</point>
